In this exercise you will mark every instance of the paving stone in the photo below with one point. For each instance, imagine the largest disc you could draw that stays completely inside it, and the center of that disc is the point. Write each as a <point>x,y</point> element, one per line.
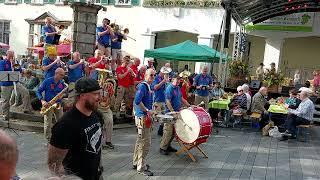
<point>233,154</point>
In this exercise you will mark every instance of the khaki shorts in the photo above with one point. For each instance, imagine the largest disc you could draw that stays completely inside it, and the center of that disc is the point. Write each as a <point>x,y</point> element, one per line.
<point>105,50</point>
<point>116,54</point>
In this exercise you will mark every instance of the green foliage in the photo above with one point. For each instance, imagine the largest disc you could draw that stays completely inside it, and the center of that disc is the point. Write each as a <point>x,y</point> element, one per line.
<point>238,69</point>
<point>273,78</point>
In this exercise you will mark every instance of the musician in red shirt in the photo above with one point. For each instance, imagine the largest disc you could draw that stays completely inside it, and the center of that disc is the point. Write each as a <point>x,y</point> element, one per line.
<point>184,84</point>
<point>125,75</point>
<point>98,61</point>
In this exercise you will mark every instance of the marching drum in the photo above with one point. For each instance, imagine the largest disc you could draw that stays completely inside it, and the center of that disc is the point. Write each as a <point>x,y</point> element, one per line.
<point>193,126</point>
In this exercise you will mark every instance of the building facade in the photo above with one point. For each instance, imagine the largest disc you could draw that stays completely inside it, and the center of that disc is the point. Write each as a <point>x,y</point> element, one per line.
<point>155,24</point>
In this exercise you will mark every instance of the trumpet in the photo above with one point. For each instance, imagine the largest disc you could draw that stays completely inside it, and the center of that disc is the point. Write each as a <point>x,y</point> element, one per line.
<point>132,72</point>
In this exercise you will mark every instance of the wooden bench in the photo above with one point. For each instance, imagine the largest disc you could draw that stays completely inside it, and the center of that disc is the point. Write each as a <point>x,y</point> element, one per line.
<point>255,118</point>
<point>304,130</point>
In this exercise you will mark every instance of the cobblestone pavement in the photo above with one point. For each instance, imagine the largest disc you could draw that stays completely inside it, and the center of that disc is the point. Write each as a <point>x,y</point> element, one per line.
<point>233,154</point>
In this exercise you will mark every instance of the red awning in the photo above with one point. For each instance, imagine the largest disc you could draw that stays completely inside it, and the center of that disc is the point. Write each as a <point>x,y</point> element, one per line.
<point>4,46</point>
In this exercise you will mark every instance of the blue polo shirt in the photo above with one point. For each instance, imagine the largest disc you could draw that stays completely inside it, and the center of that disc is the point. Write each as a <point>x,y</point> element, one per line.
<point>5,65</point>
<point>173,94</point>
<point>105,39</point>
<point>202,80</point>
<point>117,44</point>
<point>50,72</point>
<point>76,73</point>
<point>50,88</point>
<point>159,95</point>
<point>48,29</point>
<point>144,95</point>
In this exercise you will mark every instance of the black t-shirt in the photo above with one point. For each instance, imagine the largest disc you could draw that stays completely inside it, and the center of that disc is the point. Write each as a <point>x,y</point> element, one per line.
<point>82,136</point>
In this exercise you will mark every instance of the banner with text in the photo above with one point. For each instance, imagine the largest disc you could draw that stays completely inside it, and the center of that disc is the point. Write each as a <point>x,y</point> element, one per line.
<point>302,22</point>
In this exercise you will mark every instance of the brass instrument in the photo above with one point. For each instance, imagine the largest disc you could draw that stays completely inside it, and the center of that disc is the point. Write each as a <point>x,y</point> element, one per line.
<point>102,75</point>
<point>53,102</point>
<point>16,67</point>
<point>185,77</point>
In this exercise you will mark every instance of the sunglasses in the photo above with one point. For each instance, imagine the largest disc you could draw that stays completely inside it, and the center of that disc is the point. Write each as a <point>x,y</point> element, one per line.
<point>152,75</point>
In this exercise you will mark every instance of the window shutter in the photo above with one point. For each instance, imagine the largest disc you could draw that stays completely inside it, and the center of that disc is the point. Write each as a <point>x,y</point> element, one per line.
<point>111,2</point>
<point>19,1</point>
<point>135,2</point>
<point>45,1</point>
<point>1,1</point>
<point>105,2</point>
<point>27,1</point>
<point>83,1</point>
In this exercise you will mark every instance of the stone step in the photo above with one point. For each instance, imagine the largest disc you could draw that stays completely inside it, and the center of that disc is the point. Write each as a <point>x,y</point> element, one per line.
<point>23,125</point>
<point>33,126</point>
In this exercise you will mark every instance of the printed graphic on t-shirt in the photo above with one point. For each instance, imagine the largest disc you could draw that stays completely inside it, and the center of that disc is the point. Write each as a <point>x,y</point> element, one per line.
<point>94,137</point>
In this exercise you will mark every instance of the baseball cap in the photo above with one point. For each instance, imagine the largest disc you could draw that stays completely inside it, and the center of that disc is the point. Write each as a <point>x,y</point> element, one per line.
<point>86,85</point>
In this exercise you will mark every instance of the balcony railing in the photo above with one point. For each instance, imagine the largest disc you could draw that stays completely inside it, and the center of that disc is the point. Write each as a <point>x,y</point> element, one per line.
<point>183,3</point>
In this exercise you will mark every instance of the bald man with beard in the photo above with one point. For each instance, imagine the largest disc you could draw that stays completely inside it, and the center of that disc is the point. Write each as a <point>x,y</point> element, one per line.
<point>8,156</point>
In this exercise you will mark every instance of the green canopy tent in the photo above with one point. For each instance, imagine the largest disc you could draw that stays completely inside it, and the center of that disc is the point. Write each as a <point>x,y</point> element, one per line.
<point>185,51</point>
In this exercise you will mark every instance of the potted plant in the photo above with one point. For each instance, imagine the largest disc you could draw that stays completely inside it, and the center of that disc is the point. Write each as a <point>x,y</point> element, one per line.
<point>273,80</point>
<point>238,72</point>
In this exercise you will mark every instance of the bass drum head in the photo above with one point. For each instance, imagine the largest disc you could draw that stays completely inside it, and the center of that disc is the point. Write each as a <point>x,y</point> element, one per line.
<point>188,127</point>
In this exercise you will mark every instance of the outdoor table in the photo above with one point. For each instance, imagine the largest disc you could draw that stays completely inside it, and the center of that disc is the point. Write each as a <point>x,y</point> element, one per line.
<point>278,114</point>
<point>219,104</point>
<point>279,109</point>
<point>216,106</point>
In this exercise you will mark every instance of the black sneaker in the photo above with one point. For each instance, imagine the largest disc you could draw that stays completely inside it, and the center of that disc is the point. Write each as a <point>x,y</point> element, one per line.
<point>164,152</point>
<point>171,149</point>
<point>284,138</point>
<point>146,173</point>
<point>135,166</point>
<point>108,145</point>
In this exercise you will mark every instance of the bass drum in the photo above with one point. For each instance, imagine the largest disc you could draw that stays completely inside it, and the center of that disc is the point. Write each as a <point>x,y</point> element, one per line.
<point>194,126</point>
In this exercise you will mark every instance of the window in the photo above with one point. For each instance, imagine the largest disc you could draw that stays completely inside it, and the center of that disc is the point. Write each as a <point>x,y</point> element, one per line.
<point>36,1</point>
<point>123,2</point>
<point>11,1</point>
<point>97,1</point>
<point>4,31</point>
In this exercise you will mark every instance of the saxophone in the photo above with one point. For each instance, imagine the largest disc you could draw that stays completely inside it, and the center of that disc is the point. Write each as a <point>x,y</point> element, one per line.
<point>53,102</point>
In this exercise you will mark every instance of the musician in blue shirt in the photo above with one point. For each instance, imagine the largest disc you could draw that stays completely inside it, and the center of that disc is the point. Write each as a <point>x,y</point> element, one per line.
<point>143,110</point>
<point>50,64</point>
<point>48,31</point>
<point>203,83</point>
<point>51,88</point>
<point>6,86</point>
<point>174,103</point>
<point>104,34</point>
<point>75,68</point>
<point>116,43</point>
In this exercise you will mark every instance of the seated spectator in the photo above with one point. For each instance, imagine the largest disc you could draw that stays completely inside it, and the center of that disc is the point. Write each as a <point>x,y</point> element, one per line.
<point>238,104</point>
<point>246,88</point>
<point>258,105</point>
<point>303,115</point>
<point>29,81</point>
<point>293,101</point>
<point>216,92</point>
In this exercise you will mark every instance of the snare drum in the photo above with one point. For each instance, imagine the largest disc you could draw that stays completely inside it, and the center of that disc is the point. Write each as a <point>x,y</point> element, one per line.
<point>194,126</point>
<point>164,118</point>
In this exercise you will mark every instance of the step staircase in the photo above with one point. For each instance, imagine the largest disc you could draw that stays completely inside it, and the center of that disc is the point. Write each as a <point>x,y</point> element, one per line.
<point>34,122</point>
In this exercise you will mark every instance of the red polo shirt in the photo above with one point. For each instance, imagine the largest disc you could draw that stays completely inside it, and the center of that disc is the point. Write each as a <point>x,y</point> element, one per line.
<point>126,81</point>
<point>93,60</point>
